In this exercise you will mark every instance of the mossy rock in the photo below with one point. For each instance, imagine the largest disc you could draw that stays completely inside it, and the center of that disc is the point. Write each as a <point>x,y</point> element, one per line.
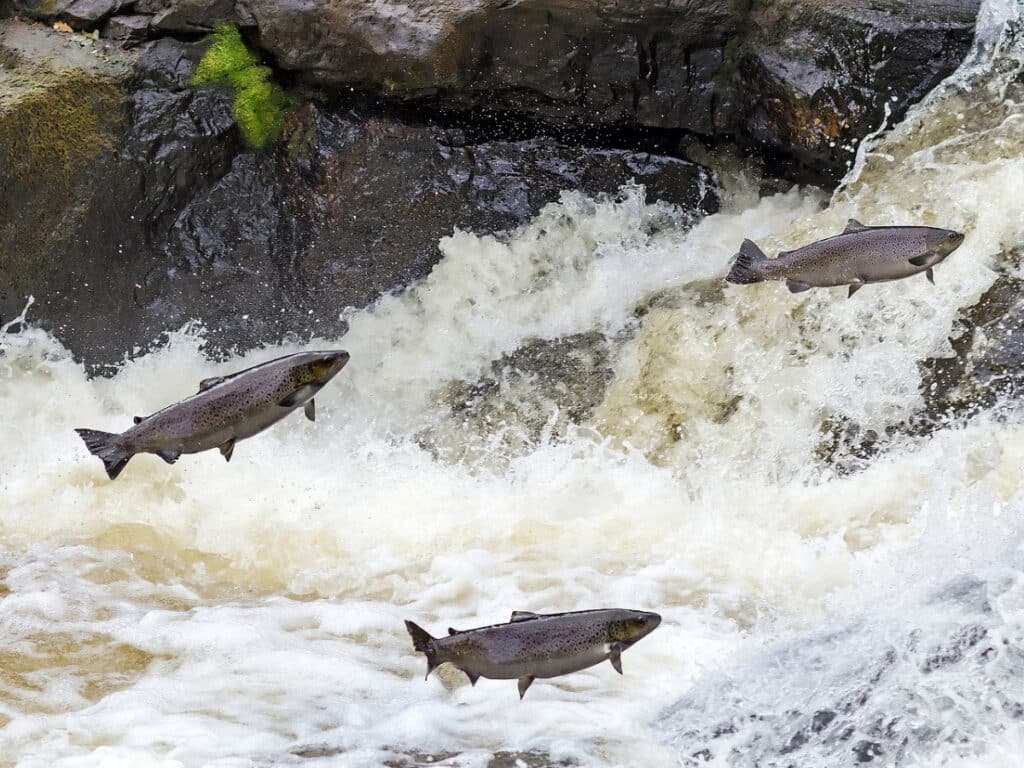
<point>260,104</point>
<point>53,127</point>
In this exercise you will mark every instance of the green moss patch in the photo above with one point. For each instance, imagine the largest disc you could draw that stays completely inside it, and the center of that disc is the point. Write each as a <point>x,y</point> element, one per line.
<point>260,104</point>
<point>55,129</point>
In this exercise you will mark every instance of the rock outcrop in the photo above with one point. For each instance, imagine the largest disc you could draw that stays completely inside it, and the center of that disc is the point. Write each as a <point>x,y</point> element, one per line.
<point>130,205</point>
<point>159,216</point>
<point>803,78</point>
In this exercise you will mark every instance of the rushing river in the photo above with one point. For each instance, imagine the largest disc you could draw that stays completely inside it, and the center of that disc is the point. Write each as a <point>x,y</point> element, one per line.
<point>251,613</point>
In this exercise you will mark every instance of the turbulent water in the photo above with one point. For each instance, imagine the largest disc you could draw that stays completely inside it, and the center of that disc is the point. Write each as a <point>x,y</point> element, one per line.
<point>250,614</point>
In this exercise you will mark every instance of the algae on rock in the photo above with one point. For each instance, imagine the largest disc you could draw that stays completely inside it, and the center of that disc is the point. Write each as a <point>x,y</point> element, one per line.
<point>56,118</point>
<point>260,104</point>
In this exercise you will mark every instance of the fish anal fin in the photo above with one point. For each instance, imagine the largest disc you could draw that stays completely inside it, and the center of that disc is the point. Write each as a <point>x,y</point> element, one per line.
<point>310,410</point>
<point>213,381</point>
<point>524,685</point>
<point>473,676</point>
<point>920,261</point>
<point>227,449</point>
<point>854,287</point>
<point>853,226</point>
<point>797,287</point>
<point>931,275</point>
<point>615,657</point>
<point>169,456</point>
<point>523,616</point>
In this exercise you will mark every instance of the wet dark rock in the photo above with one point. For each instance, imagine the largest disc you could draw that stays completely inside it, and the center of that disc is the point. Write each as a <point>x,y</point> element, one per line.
<point>985,369</point>
<point>814,77</point>
<point>87,14</point>
<point>129,29</point>
<point>866,751</point>
<point>347,208</point>
<point>194,16</point>
<point>167,220</point>
<point>988,361</point>
<point>881,690</point>
<point>532,394</point>
<point>35,9</point>
<point>954,648</point>
<point>802,78</point>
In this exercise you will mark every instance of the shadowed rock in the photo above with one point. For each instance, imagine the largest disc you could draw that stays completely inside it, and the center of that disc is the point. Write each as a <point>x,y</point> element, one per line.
<point>881,690</point>
<point>806,79</point>
<point>157,217</point>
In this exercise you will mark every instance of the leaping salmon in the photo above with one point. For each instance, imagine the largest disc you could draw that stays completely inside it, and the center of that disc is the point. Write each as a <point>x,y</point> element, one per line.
<point>534,645</point>
<point>225,410</point>
<point>858,256</point>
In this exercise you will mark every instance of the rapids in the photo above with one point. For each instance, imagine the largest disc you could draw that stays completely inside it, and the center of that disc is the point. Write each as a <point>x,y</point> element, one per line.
<point>251,614</point>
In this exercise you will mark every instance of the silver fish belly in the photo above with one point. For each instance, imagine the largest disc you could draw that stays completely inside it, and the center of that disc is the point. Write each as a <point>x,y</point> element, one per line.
<point>225,410</point>
<point>857,256</point>
<point>534,646</point>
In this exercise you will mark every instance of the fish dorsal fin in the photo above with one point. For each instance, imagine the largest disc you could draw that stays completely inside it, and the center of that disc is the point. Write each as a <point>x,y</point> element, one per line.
<point>853,226</point>
<point>523,616</point>
<point>213,381</point>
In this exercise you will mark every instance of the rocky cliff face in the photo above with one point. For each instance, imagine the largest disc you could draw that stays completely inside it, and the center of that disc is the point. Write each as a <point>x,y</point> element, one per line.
<point>805,78</point>
<point>156,216</point>
<point>129,204</point>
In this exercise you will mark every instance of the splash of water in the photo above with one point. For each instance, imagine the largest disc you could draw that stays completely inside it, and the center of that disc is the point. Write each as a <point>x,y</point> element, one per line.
<point>212,614</point>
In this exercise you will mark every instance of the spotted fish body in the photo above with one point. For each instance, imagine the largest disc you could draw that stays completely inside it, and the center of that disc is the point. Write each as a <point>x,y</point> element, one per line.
<point>537,645</point>
<point>225,410</point>
<point>858,256</point>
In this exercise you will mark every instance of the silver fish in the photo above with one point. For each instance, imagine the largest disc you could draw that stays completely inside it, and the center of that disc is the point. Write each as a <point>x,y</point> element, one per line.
<point>534,645</point>
<point>225,410</point>
<point>858,256</point>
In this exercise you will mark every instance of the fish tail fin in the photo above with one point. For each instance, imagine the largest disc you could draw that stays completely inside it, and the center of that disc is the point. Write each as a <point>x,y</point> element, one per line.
<point>749,266</point>
<point>102,445</point>
<point>424,643</point>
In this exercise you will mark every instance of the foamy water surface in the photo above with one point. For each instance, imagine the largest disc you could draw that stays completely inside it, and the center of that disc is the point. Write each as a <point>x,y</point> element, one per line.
<point>251,613</point>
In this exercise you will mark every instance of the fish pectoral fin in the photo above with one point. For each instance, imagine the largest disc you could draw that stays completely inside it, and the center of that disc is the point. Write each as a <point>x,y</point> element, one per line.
<point>138,419</point>
<point>169,456</point>
<point>298,397</point>
<point>615,657</point>
<point>227,449</point>
<point>854,287</point>
<point>920,261</point>
<point>310,410</point>
<point>473,676</point>
<point>853,226</point>
<point>931,275</point>
<point>522,616</point>
<point>524,684</point>
<point>213,381</point>
<point>452,631</point>
<point>797,287</point>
